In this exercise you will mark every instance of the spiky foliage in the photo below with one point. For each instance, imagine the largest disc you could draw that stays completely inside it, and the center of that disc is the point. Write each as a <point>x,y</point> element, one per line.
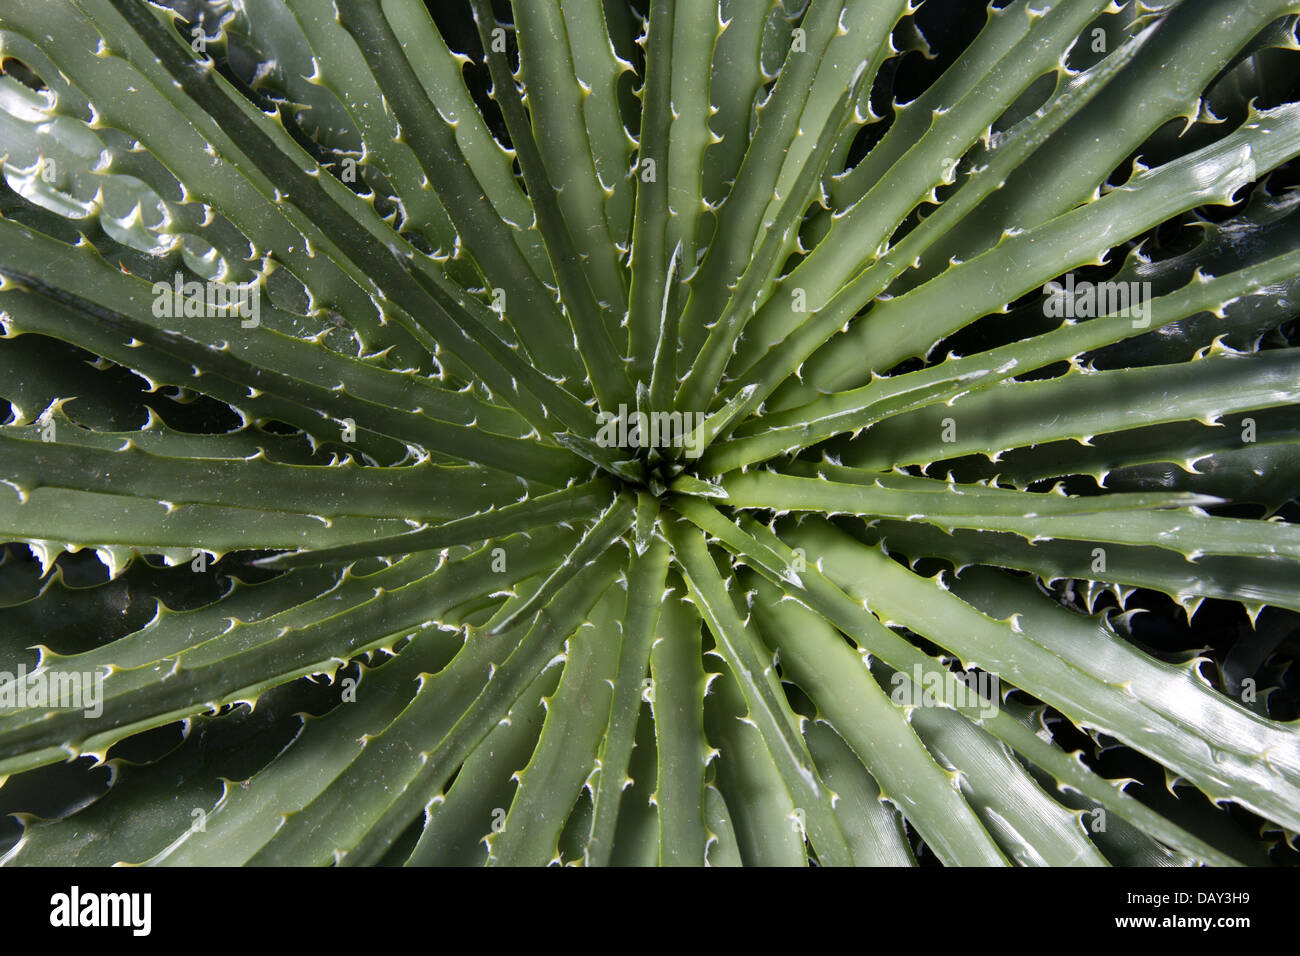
<point>381,587</point>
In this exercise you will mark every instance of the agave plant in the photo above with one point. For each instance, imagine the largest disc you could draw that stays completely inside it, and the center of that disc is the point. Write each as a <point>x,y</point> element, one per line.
<point>672,431</point>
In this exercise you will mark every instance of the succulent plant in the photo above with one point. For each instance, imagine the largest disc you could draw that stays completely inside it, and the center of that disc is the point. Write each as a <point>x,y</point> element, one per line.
<point>657,432</point>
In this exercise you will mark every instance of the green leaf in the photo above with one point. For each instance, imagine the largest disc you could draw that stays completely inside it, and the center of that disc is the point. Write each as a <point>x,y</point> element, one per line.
<point>750,665</point>
<point>1119,690</point>
<point>677,702</point>
<point>1029,413</point>
<point>814,657</point>
<point>570,504</point>
<point>566,754</point>
<point>607,529</point>
<point>646,595</point>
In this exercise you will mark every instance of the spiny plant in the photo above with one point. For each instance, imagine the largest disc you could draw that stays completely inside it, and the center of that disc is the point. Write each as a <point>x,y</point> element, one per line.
<point>657,432</point>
